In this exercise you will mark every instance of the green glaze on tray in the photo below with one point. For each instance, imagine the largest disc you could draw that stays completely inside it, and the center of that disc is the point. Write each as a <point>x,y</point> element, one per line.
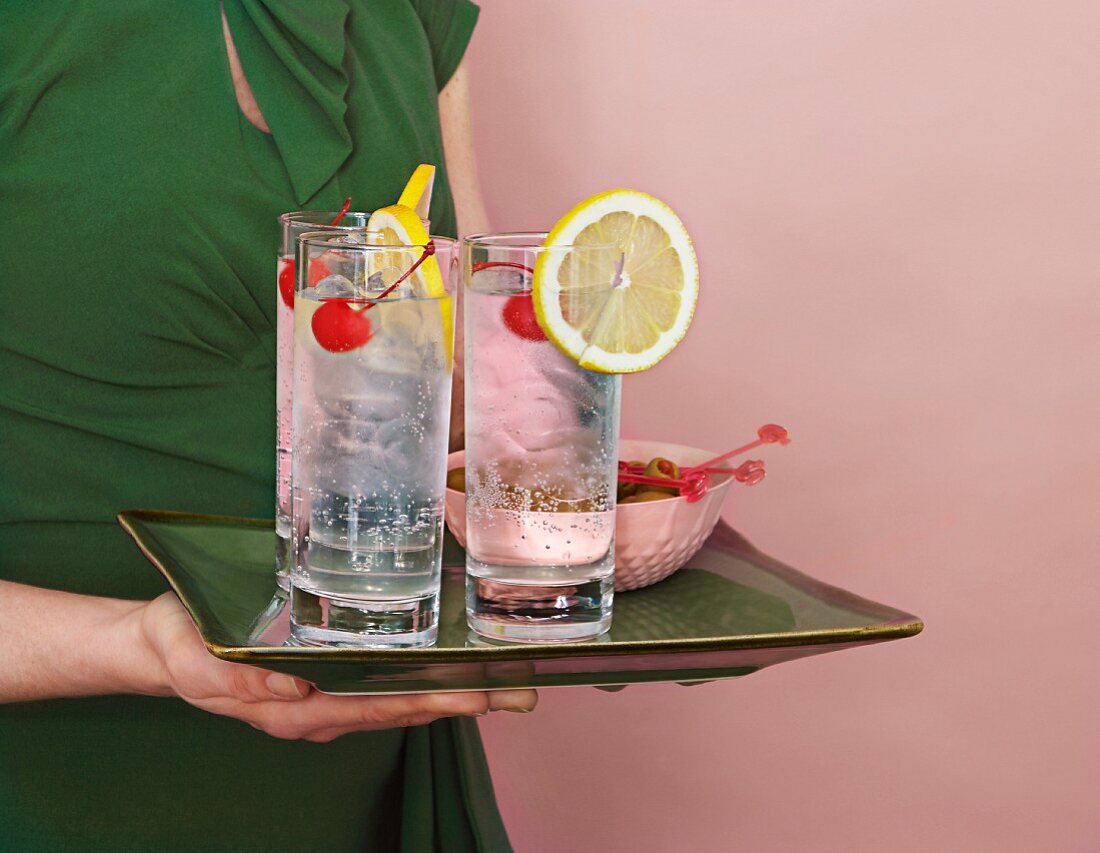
<point>730,612</point>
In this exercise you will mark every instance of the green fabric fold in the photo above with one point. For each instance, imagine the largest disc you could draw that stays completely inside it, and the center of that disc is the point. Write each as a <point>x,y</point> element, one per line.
<point>447,757</point>
<point>448,26</point>
<point>292,53</point>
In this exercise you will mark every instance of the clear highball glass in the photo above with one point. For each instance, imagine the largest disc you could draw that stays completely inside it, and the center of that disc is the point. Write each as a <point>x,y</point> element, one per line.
<point>373,339</point>
<point>541,455</point>
<point>291,226</point>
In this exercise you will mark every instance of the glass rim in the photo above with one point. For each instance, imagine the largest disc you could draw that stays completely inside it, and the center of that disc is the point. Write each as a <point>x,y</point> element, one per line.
<point>302,217</point>
<point>328,239</point>
<point>525,241</point>
<point>299,218</point>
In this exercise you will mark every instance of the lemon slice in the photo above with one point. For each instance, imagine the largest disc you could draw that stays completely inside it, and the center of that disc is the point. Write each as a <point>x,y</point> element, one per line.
<point>399,225</point>
<point>418,191</point>
<point>624,309</point>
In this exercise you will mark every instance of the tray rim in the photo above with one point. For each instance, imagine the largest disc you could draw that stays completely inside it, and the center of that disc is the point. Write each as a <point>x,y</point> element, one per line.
<point>899,625</point>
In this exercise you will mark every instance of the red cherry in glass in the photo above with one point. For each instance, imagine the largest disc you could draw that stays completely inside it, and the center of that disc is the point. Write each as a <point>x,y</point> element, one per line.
<point>340,328</point>
<point>519,317</point>
<point>286,282</point>
<point>317,271</point>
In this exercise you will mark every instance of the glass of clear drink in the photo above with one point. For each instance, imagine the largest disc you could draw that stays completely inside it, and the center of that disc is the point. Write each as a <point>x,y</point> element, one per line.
<point>541,455</point>
<point>292,225</point>
<point>371,404</point>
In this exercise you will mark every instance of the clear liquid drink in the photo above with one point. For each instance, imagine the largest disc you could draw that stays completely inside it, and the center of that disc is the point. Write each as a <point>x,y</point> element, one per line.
<point>371,403</point>
<point>541,462</point>
<point>291,226</point>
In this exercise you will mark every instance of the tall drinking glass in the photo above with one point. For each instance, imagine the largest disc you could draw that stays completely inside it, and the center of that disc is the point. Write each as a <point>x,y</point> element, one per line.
<point>371,401</point>
<point>541,453</point>
<point>292,225</point>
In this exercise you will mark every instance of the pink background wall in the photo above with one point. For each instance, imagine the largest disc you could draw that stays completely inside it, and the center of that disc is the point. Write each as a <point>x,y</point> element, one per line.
<point>897,211</point>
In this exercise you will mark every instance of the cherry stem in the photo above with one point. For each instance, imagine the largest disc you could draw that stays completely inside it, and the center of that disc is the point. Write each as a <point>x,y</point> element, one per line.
<point>343,210</point>
<point>484,265</point>
<point>429,250</point>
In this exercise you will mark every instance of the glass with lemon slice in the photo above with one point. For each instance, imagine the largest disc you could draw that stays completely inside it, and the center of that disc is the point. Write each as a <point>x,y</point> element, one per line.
<point>417,196</point>
<point>551,321</point>
<point>371,407</point>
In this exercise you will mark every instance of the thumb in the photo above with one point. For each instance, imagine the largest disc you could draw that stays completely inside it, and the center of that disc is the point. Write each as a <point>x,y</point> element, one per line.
<point>252,684</point>
<point>286,686</point>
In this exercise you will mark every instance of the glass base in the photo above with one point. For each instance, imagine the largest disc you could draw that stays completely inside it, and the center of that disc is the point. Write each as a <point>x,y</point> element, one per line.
<point>539,612</point>
<point>283,559</point>
<point>320,620</point>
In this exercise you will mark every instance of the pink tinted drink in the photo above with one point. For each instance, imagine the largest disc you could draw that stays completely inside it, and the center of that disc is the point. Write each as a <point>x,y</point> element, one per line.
<point>541,459</point>
<point>284,357</point>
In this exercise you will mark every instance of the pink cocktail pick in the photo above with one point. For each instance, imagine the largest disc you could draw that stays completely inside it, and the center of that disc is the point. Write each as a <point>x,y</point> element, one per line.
<point>767,434</point>
<point>693,482</point>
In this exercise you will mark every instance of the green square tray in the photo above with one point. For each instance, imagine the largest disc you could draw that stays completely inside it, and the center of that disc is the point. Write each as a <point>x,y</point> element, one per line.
<point>730,612</point>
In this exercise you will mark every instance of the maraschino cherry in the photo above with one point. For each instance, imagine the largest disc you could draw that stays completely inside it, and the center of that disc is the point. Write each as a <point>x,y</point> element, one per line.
<point>518,312</point>
<point>340,328</point>
<point>317,271</point>
<point>519,316</point>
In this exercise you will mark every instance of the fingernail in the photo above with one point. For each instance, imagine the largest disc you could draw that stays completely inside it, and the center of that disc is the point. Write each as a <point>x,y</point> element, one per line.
<point>519,710</point>
<point>511,700</point>
<point>286,686</point>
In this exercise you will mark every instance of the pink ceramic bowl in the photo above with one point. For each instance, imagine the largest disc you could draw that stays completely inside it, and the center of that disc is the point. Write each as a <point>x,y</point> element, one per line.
<point>653,539</point>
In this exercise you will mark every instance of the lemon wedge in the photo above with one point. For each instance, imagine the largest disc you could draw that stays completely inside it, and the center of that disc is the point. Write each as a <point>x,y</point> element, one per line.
<point>624,309</point>
<point>399,225</point>
<point>417,194</point>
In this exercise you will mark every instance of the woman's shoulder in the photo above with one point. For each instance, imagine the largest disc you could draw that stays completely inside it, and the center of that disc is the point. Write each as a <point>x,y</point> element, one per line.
<point>440,28</point>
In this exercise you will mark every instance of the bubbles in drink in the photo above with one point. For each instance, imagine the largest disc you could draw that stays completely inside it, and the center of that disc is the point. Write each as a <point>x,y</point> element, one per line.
<point>370,451</point>
<point>541,438</point>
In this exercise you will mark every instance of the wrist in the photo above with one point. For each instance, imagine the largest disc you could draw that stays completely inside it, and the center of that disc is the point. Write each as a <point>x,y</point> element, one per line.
<point>136,663</point>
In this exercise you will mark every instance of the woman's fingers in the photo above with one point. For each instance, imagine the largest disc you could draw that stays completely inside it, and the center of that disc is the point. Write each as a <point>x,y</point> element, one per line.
<point>323,717</point>
<point>522,701</point>
<point>287,686</point>
<point>326,735</point>
<point>197,675</point>
<point>287,707</point>
<point>320,711</point>
<point>250,684</point>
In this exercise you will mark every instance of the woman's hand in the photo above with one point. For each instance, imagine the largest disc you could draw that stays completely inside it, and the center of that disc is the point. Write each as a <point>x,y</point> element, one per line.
<point>283,706</point>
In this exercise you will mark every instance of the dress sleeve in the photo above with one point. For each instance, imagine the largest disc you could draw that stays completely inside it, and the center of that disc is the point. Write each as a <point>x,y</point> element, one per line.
<point>448,25</point>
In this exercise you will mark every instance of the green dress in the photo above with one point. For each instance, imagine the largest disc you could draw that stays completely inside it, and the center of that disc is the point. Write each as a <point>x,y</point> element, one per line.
<point>137,359</point>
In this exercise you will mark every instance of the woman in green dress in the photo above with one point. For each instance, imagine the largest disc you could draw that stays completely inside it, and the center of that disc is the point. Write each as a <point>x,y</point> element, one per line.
<point>146,149</point>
